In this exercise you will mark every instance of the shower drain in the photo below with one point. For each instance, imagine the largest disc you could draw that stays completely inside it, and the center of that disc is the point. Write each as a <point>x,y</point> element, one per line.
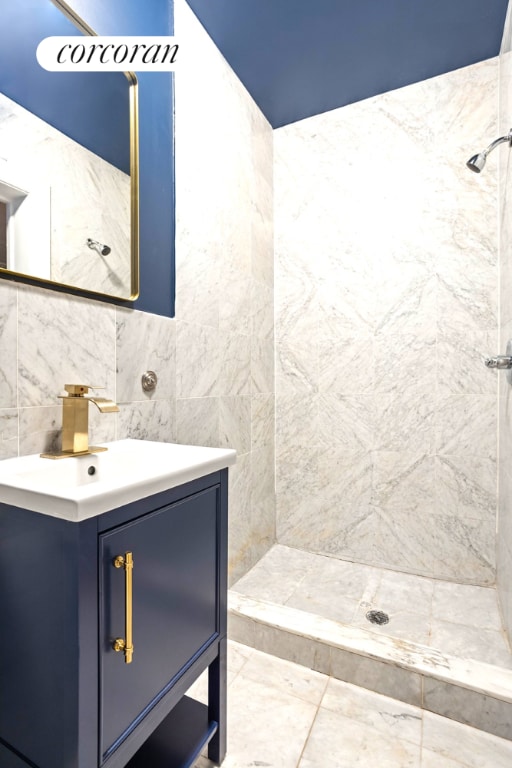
<point>377,617</point>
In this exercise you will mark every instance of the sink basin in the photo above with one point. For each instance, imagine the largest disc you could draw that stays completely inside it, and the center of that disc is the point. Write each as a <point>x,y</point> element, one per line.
<point>80,487</point>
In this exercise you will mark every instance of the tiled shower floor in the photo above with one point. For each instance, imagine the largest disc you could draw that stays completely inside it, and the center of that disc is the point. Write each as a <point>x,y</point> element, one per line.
<point>459,620</point>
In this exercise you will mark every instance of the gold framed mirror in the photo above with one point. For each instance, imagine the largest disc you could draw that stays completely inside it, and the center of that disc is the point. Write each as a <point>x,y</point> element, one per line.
<point>69,183</point>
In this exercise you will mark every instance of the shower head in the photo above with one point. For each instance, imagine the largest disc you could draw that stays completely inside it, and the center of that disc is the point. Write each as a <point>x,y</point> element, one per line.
<point>477,162</point>
<point>102,249</point>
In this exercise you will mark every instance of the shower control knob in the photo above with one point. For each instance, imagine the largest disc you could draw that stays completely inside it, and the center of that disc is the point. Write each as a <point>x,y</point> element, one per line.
<point>500,362</point>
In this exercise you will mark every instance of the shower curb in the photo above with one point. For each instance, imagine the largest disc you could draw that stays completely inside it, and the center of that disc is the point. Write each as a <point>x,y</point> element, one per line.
<point>469,691</point>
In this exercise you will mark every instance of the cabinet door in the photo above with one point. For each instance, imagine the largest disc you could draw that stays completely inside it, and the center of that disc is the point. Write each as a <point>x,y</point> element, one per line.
<point>175,576</point>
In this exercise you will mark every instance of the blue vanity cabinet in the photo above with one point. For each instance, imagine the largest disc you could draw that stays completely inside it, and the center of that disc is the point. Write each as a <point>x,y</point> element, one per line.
<point>68,699</point>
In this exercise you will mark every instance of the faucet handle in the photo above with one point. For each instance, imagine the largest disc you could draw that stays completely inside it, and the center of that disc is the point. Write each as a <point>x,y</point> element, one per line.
<point>79,389</point>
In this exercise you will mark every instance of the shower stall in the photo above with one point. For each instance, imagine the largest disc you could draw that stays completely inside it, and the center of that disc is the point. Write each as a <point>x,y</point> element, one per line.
<point>393,567</point>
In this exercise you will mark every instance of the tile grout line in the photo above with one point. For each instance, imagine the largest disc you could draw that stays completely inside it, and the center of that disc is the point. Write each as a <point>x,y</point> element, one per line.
<point>306,740</point>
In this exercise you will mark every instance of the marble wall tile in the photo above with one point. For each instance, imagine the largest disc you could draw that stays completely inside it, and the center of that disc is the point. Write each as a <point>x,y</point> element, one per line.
<point>405,363</point>
<point>234,376</point>
<point>346,421</point>
<point>297,365</point>
<point>224,305</point>
<point>262,526</point>
<point>296,427</point>
<point>235,423</point>
<point>262,364</point>
<point>8,433</point>
<point>461,370</point>
<point>345,480</point>
<point>198,286</point>
<point>404,424</point>
<point>389,322</point>
<point>403,483</point>
<point>466,487</point>
<point>8,344</point>
<point>145,342</point>
<point>233,315</point>
<point>197,421</point>
<point>466,426</point>
<point>152,420</point>
<point>262,237</point>
<point>262,475</point>
<point>504,522</point>
<point>504,580</point>
<point>346,364</point>
<point>63,340</point>
<point>240,534</point>
<point>40,429</point>
<point>103,427</point>
<point>262,309</point>
<point>262,421</point>
<point>197,360</point>
<point>406,304</point>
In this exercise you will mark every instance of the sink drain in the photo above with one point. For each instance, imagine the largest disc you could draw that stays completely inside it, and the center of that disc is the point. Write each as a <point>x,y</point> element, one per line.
<point>377,617</point>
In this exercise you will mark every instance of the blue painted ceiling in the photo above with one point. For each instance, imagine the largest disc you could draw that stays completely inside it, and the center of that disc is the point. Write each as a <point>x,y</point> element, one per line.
<point>299,58</point>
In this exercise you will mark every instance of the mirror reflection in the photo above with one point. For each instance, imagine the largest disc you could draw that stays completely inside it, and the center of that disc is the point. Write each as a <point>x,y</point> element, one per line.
<point>68,171</point>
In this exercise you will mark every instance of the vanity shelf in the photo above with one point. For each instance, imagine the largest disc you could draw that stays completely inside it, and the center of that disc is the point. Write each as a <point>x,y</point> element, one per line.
<point>69,700</point>
<point>180,739</point>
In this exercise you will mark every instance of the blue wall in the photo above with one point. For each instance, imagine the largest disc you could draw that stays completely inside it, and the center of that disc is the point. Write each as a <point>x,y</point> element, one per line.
<point>299,58</point>
<point>90,107</point>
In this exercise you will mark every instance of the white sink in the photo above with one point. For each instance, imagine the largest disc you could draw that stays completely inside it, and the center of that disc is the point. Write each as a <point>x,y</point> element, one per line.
<point>84,486</point>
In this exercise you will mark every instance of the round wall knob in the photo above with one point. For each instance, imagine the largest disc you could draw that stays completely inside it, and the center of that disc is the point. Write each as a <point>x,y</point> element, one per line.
<point>149,381</point>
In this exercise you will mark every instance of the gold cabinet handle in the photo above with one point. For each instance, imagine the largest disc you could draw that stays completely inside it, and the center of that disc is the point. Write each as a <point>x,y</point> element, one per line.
<point>126,644</point>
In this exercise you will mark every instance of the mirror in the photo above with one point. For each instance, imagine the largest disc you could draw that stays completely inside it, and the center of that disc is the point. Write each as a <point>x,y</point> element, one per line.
<point>68,162</point>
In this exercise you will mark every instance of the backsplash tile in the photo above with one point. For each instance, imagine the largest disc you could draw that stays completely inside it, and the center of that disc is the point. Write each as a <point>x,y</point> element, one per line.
<point>62,340</point>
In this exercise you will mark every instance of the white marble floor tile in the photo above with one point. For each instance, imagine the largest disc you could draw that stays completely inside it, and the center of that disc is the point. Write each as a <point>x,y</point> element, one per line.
<point>276,575</point>
<point>285,676</point>
<point>470,747</point>
<point>338,741</point>
<point>274,722</point>
<point>465,604</point>
<point>324,603</point>
<point>266,726</point>
<point>386,715</point>
<point>404,592</point>
<point>471,643</point>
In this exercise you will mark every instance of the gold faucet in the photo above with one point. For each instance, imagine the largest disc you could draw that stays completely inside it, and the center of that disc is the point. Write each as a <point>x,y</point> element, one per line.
<point>75,421</point>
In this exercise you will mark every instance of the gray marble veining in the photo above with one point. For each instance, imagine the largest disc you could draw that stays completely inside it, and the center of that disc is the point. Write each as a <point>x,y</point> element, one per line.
<point>386,302</point>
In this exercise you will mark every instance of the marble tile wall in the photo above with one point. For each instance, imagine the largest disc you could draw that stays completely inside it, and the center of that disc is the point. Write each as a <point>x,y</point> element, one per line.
<point>386,302</point>
<point>503,159</point>
<point>224,295</point>
<point>214,361</point>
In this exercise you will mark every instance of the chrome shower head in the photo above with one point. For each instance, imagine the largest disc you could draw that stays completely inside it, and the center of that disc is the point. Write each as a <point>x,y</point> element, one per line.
<point>477,162</point>
<point>101,248</point>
